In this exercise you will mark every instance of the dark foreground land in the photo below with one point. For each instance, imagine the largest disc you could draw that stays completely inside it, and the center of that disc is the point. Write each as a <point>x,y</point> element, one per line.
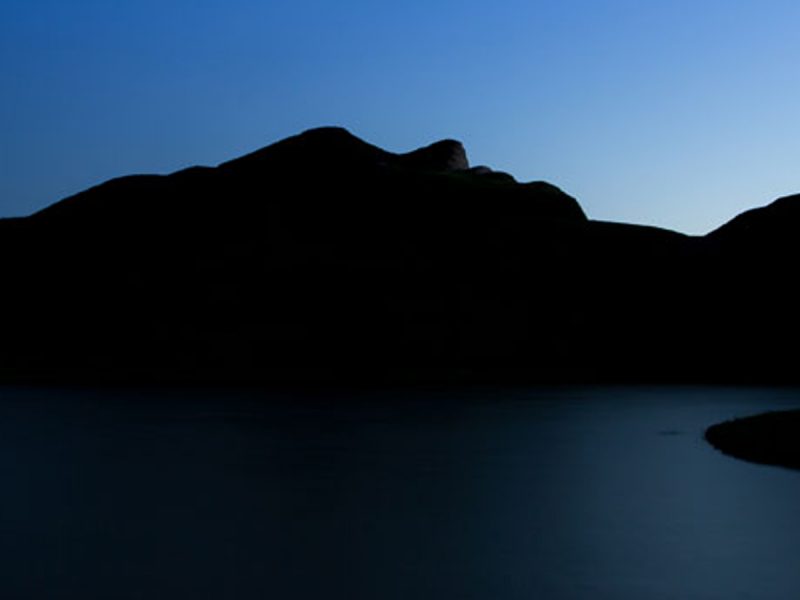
<point>324,258</point>
<point>771,438</point>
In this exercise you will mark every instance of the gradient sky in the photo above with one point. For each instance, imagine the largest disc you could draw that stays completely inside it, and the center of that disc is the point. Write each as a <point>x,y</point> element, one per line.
<point>671,113</point>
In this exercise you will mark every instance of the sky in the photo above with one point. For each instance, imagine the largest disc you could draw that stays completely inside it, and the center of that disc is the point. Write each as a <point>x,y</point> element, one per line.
<point>679,114</point>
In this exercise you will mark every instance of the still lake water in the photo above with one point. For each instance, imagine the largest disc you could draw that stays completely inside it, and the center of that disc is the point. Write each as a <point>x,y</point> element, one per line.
<point>482,493</point>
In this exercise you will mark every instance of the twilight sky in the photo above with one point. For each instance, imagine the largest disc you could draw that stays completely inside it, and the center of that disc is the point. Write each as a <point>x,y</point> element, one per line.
<point>671,113</point>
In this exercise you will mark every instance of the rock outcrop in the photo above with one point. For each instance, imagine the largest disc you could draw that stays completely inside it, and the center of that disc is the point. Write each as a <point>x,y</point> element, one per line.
<point>446,155</point>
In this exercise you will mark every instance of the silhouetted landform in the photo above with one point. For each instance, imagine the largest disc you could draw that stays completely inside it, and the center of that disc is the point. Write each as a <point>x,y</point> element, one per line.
<point>771,438</point>
<point>324,258</point>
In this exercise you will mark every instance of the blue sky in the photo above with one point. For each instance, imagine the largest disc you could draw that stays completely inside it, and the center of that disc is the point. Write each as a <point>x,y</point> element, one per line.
<point>678,114</point>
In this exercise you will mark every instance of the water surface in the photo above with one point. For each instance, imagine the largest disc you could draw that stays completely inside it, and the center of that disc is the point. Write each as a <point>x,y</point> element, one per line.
<point>483,493</point>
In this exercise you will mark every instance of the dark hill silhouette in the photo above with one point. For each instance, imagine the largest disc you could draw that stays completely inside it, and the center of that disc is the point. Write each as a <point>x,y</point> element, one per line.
<point>773,225</point>
<point>322,257</point>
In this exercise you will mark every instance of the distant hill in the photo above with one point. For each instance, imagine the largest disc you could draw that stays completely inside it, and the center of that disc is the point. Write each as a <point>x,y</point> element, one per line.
<point>322,258</point>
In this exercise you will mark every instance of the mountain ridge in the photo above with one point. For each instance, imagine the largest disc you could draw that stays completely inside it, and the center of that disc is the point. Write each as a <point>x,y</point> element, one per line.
<point>322,257</point>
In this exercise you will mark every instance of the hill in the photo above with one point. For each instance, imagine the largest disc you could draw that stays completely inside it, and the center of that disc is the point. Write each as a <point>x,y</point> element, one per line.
<point>324,258</point>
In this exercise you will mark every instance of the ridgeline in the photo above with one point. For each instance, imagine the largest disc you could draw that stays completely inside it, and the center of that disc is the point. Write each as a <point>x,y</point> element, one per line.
<point>322,258</point>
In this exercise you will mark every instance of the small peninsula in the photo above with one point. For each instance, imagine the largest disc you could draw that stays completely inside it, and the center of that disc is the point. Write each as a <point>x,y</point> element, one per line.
<point>771,438</point>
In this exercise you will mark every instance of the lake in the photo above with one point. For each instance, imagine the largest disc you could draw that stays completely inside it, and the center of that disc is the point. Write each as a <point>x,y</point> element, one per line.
<point>429,494</point>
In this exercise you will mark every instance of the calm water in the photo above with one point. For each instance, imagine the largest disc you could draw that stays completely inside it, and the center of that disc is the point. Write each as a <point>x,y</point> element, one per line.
<point>486,494</point>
